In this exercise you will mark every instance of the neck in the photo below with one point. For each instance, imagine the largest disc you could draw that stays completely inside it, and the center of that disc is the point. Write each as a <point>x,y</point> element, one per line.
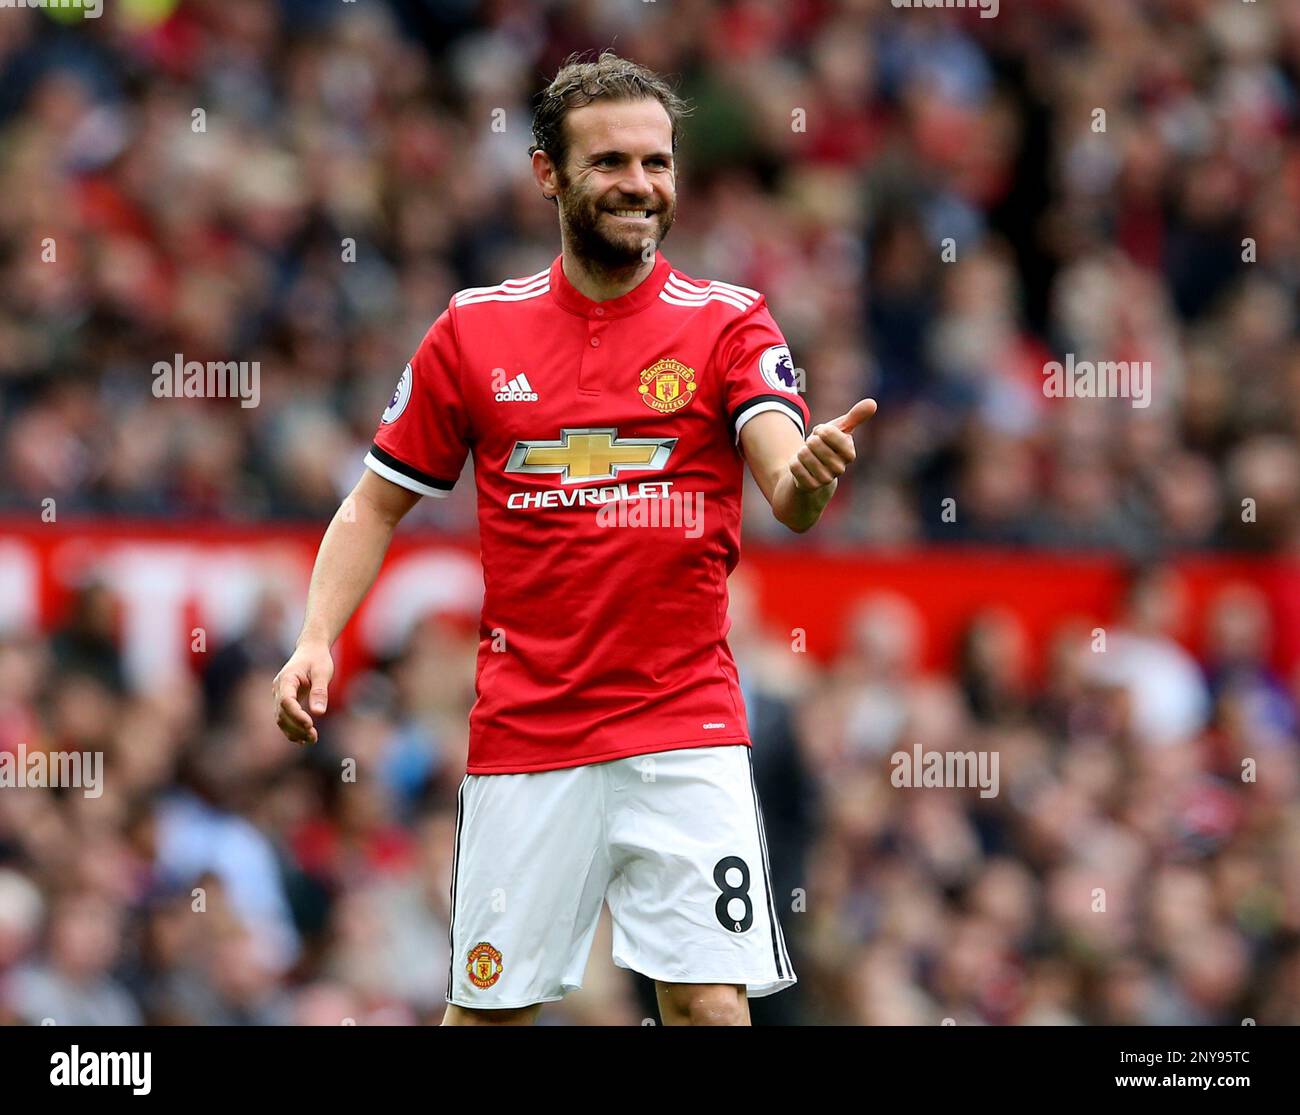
<point>601,283</point>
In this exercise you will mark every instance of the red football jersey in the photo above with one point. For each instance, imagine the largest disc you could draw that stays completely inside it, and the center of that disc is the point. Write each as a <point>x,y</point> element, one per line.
<point>609,482</point>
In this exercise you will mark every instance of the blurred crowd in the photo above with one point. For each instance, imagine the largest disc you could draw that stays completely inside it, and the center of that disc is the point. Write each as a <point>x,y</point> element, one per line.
<point>935,204</point>
<point>1138,864</point>
<point>1141,862</point>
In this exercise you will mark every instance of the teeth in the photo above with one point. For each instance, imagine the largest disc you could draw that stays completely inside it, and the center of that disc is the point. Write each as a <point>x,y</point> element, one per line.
<point>629,212</point>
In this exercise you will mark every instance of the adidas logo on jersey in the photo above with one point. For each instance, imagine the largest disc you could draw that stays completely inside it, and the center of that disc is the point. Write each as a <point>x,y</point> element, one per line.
<point>518,390</point>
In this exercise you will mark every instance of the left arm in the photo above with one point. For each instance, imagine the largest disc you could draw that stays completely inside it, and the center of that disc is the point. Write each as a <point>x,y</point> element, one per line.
<point>797,475</point>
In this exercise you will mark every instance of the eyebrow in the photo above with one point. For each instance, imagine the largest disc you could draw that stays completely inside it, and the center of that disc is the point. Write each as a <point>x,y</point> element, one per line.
<point>623,155</point>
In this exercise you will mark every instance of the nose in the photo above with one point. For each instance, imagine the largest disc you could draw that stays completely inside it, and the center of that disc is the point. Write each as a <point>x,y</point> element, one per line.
<point>635,182</point>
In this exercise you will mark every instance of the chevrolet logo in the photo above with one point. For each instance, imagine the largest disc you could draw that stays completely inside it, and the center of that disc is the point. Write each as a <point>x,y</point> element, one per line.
<point>582,455</point>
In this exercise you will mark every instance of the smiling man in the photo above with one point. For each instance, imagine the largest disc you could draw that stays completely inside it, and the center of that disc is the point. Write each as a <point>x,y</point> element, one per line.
<point>609,753</point>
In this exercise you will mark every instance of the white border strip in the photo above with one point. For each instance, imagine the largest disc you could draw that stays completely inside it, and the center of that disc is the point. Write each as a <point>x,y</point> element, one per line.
<point>788,409</point>
<point>402,480</point>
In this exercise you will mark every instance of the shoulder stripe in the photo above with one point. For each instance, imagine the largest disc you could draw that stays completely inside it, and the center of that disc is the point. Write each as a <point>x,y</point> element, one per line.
<point>509,286</point>
<point>695,303</point>
<point>505,296</point>
<point>507,283</point>
<point>681,286</point>
<point>748,292</point>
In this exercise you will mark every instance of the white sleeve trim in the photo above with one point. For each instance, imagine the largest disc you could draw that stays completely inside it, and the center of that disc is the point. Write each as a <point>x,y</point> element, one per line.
<point>403,481</point>
<point>785,408</point>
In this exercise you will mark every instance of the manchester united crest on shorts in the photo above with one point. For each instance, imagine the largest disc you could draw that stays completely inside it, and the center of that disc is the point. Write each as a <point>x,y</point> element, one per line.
<point>484,965</point>
<point>667,386</point>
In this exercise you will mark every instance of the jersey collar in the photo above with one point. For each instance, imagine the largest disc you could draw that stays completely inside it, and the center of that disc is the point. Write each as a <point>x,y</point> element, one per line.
<point>638,298</point>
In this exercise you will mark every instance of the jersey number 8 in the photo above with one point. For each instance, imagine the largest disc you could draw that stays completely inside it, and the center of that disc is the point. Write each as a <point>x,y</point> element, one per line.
<point>738,893</point>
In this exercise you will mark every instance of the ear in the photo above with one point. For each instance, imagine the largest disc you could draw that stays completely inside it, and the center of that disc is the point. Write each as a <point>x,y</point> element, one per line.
<point>544,174</point>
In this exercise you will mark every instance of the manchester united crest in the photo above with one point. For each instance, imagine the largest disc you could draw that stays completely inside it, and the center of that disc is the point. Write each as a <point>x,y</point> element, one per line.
<point>484,965</point>
<point>667,386</point>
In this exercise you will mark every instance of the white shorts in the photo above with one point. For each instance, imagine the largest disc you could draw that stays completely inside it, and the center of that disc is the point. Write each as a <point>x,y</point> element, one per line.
<point>673,841</point>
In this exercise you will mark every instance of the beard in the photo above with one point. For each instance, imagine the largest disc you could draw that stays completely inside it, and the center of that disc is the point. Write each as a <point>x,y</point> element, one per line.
<point>598,239</point>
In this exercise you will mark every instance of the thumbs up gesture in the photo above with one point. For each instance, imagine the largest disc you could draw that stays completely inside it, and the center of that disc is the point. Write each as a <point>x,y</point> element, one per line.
<point>828,451</point>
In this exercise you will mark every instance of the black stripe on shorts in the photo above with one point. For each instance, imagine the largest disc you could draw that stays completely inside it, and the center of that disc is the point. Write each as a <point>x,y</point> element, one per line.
<point>777,950</point>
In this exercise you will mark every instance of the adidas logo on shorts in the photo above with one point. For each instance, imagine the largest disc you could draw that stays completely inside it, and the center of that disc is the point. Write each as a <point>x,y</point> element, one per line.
<point>518,390</point>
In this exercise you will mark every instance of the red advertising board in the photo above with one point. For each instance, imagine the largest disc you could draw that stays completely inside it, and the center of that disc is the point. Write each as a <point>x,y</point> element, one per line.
<point>173,579</point>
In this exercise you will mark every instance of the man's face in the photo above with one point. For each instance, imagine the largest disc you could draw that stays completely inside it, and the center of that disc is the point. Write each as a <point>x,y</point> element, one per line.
<point>617,193</point>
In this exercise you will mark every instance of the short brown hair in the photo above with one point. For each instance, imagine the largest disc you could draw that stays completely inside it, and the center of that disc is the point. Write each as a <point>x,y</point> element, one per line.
<point>579,83</point>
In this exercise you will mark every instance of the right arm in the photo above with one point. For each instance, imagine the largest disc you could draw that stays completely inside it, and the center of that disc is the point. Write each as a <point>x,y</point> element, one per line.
<point>347,564</point>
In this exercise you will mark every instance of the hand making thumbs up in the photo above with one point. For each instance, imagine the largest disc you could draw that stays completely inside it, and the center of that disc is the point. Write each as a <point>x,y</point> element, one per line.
<point>828,451</point>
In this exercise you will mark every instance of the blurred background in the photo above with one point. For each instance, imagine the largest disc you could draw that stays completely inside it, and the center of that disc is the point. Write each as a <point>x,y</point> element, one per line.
<point>347,178</point>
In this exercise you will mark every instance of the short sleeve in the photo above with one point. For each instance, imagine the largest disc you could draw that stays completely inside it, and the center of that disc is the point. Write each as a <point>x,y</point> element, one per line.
<point>423,436</point>
<point>758,371</point>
